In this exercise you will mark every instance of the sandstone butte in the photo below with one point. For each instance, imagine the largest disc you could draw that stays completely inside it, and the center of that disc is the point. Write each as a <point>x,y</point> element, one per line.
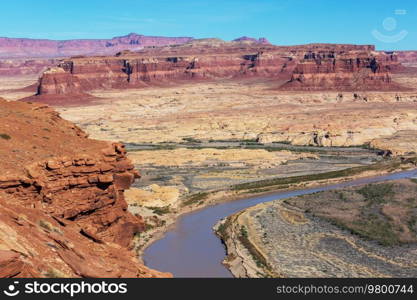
<point>62,206</point>
<point>340,67</point>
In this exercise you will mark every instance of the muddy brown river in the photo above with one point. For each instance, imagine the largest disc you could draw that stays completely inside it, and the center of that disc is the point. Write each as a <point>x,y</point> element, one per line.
<point>191,249</point>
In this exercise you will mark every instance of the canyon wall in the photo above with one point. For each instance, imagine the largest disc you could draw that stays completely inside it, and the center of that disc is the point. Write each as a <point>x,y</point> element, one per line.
<point>344,71</point>
<point>62,206</point>
<point>407,57</point>
<point>305,67</point>
<point>30,48</point>
<point>83,74</point>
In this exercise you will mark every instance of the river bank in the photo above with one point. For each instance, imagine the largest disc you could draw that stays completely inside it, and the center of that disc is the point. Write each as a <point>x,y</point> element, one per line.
<point>148,239</point>
<point>178,181</point>
<point>363,231</point>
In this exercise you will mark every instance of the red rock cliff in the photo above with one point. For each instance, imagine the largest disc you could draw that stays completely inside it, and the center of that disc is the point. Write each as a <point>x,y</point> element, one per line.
<point>62,207</point>
<point>77,75</point>
<point>344,70</point>
<point>315,66</point>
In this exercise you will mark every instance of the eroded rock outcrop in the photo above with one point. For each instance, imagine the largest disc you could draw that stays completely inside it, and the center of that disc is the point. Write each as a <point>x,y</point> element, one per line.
<point>344,70</point>
<point>407,57</point>
<point>305,67</point>
<point>139,69</point>
<point>62,205</point>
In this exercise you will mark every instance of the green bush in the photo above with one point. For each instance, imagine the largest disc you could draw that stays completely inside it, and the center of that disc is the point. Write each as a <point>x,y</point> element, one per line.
<point>195,198</point>
<point>160,210</point>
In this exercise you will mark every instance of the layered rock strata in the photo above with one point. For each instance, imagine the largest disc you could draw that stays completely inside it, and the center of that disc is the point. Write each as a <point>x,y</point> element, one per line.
<point>344,71</point>
<point>310,67</point>
<point>62,206</point>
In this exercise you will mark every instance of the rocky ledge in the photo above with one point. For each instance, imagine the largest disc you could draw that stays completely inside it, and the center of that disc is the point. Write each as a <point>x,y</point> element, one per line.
<point>62,206</point>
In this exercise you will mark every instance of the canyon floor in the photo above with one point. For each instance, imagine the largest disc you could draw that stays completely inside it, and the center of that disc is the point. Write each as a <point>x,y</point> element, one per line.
<point>195,142</point>
<point>16,87</point>
<point>247,110</point>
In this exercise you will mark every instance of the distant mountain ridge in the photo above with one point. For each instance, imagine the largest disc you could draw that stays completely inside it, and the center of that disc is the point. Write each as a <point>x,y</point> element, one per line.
<point>45,48</point>
<point>261,40</point>
<point>37,48</point>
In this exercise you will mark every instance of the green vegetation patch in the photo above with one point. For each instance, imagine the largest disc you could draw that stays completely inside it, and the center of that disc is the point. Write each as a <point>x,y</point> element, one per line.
<point>390,165</point>
<point>192,140</point>
<point>195,198</point>
<point>160,210</point>
<point>377,193</point>
<point>376,229</point>
<point>222,229</point>
<point>258,258</point>
<point>379,211</point>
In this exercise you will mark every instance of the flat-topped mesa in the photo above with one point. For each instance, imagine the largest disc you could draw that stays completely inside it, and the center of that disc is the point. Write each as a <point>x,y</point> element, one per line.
<point>62,206</point>
<point>127,69</point>
<point>314,66</point>
<point>344,70</point>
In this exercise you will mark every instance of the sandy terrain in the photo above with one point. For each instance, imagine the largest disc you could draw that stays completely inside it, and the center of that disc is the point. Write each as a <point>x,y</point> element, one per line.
<point>245,110</point>
<point>15,87</point>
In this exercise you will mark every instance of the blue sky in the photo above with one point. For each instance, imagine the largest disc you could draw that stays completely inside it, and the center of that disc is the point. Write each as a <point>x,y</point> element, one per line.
<point>387,24</point>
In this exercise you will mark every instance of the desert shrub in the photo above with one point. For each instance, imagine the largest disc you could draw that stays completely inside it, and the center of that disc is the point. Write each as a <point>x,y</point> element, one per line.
<point>377,193</point>
<point>376,229</point>
<point>191,140</point>
<point>48,226</point>
<point>243,231</point>
<point>222,229</point>
<point>257,257</point>
<point>342,196</point>
<point>5,136</point>
<point>372,228</point>
<point>160,210</point>
<point>54,273</point>
<point>195,198</point>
